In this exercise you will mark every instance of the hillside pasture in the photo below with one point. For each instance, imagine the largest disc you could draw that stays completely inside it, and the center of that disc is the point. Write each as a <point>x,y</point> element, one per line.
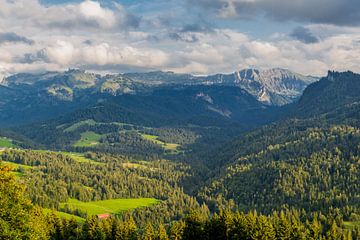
<point>112,206</point>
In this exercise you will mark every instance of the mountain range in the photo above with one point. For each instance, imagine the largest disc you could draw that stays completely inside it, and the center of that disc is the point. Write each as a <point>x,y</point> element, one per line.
<point>190,143</point>
<point>32,97</point>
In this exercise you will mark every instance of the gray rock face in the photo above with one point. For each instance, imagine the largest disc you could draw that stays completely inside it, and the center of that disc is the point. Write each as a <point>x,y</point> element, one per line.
<point>273,86</point>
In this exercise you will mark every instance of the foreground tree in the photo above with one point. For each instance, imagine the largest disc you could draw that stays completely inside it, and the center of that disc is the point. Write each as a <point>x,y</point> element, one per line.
<point>19,219</point>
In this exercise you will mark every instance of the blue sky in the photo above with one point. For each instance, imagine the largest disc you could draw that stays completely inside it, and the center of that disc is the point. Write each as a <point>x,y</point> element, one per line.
<point>199,37</point>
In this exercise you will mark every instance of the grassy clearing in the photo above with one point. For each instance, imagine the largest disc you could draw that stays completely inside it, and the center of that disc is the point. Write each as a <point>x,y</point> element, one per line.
<point>88,139</point>
<point>78,157</point>
<point>6,142</point>
<point>79,124</point>
<point>92,123</point>
<point>113,206</point>
<point>17,169</point>
<point>166,146</point>
<point>63,215</point>
<point>134,165</point>
<point>81,158</point>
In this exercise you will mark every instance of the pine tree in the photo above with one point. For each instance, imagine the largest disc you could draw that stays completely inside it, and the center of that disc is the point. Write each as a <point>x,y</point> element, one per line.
<point>298,231</point>
<point>161,233</point>
<point>92,230</point>
<point>131,229</point>
<point>315,229</point>
<point>282,227</point>
<point>194,226</point>
<point>149,233</point>
<point>264,229</point>
<point>216,228</point>
<point>177,230</point>
<point>333,233</point>
<point>72,231</point>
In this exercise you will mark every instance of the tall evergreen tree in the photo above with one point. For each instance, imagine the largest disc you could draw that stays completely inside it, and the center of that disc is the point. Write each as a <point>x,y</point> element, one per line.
<point>161,233</point>
<point>149,233</point>
<point>19,219</point>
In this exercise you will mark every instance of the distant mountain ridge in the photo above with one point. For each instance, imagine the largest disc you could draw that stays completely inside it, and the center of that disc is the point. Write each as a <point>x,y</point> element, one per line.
<point>272,86</point>
<point>335,92</point>
<point>32,97</point>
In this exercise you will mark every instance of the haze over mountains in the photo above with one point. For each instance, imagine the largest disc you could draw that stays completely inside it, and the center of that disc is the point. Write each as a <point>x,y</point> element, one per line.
<point>61,92</point>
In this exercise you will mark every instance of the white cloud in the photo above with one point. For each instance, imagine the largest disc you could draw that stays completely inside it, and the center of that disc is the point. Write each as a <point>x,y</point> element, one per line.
<point>90,35</point>
<point>87,15</point>
<point>66,54</point>
<point>93,11</point>
<point>62,53</point>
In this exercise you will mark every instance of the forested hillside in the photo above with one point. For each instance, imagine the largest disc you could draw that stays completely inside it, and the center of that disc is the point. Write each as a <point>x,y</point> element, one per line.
<point>195,162</point>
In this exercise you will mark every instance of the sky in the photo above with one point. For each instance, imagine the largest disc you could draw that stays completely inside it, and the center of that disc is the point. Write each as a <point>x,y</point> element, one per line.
<point>185,36</point>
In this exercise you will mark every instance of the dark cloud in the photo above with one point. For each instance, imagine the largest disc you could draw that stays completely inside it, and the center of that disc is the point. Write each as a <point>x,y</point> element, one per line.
<point>187,33</point>
<point>336,12</point>
<point>190,38</point>
<point>29,58</point>
<point>304,35</point>
<point>153,38</point>
<point>132,21</point>
<point>196,28</point>
<point>88,42</point>
<point>11,37</point>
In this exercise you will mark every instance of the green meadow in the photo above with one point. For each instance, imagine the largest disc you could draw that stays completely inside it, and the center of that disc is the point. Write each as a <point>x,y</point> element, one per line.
<point>18,169</point>
<point>88,139</point>
<point>79,124</point>
<point>166,146</point>
<point>6,142</point>
<point>112,206</point>
<point>78,157</point>
<point>63,215</point>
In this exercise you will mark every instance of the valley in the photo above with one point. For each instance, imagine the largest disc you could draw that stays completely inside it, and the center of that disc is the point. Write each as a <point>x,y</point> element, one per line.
<point>179,120</point>
<point>170,156</point>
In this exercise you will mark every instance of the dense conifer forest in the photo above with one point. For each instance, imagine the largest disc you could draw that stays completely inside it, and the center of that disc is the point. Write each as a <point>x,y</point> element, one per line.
<point>294,178</point>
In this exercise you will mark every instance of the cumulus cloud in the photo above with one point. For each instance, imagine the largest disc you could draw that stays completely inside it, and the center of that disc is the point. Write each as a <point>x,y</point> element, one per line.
<point>86,15</point>
<point>66,54</point>
<point>92,35</point>
<point>337,12</point>
<point>11,37</point>
<point>304,35</point>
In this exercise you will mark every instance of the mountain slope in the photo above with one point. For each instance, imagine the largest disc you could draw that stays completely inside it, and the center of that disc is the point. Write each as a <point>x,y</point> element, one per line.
<point>36,97</point>
<point>332,93</point>
<point>204,107</point>
<point>310,163</point>
<point>272,86</point>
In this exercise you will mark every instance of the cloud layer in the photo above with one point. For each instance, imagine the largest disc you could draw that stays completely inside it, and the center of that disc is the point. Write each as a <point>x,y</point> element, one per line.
<point>337,12</point>
<point>10,37</point>
<point>166,35</point>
